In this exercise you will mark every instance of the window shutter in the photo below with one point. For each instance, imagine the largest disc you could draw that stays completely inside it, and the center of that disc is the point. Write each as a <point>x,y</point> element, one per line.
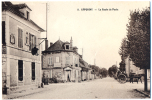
<point>29,41</point>
<point>48,61</point>
<point>21,38</point>
<point>3,32</point>
<point>35,40</point>
<point>18,37</point>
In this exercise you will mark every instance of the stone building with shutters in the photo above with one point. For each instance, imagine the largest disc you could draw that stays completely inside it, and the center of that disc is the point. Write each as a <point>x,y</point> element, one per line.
<point>61,60</point>
<point>20,69</point>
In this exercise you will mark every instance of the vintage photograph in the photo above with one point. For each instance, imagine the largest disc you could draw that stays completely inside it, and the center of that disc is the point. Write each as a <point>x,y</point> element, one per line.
<point>75,49</point>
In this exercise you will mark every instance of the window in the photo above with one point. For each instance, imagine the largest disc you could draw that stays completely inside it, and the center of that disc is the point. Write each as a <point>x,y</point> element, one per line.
<point>20,38</point>
<point>26,39</point>
<point>12,39</point>
<point>67,60</point>
<point>75,61</point>
<point>30,48</point>
<point>57,59</point>
<point>50,61</point>
<point>20,70</point>
<point>3,32</point>
<point>27,13</point>
<point>32,41</point>
<point>67,46</point>
<point>33,70</point>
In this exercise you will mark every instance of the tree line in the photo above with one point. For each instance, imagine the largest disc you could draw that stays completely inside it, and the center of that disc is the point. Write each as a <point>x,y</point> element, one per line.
<point>136,45</point>
<point>99,71</point>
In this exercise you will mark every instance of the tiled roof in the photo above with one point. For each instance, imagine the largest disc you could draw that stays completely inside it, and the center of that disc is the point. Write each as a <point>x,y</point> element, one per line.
<point>66,42</point>
<point>58,45</point>
<point>20,6</point>
<point>15,9</point>
<point>82,63</point>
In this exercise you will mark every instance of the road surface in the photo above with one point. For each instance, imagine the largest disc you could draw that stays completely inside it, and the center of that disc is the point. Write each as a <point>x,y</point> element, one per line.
<point>106,88</point>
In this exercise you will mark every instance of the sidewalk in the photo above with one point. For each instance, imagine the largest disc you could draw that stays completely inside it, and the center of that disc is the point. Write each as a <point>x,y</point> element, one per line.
<point>26,92</point>
<point>139,88</point>
<point>32,91</point>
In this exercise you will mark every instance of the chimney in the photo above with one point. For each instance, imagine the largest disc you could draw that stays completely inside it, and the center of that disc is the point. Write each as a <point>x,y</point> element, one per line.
<point>71,43</point>
<point>75,49</point>
<point>51,44</point>
<point>46,44</point>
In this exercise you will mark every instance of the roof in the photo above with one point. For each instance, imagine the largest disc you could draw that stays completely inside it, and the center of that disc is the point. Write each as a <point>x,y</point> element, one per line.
<point>21,6</point>
<point>66,42</point>
<point>8,6</point>
<point>84,64</point>
<point>58,45</point>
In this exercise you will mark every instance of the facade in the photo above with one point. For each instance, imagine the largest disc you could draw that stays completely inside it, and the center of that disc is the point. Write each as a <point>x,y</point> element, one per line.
<point>131,68</point>
<point>61,61</point>
<point>86,71</point>
<point>20,69</point>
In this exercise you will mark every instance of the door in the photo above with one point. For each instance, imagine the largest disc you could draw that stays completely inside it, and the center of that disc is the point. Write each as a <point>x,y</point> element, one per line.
<point>68,76</point>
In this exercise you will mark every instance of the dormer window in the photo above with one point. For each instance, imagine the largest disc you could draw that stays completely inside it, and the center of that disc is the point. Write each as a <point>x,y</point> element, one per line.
<point>27,13</point>
<point>67,46</point>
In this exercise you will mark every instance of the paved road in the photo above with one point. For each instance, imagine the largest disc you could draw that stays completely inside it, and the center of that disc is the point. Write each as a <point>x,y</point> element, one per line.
<point>106,88</point>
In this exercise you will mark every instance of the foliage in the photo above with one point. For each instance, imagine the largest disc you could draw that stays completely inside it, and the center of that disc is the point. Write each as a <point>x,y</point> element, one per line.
<point>123,49</point>
<point>139,37</point>
<point>104,72</point>
<point>98,71</point>
<point>112,70</point>
<point>95,69</point>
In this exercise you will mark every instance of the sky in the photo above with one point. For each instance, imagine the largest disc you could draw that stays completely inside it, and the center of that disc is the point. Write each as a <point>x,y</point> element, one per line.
<point>98,32</point>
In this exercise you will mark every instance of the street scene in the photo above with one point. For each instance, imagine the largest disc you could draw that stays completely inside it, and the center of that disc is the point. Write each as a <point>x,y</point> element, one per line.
<point>96,89</point>
<point>76,50</point>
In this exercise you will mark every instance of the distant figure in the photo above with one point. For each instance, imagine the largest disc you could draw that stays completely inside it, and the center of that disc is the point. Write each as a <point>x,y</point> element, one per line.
<point>68,78</point>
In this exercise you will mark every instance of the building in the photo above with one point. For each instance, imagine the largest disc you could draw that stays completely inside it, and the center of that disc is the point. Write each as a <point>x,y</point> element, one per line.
<point>61,61</point>
<point>131,68</point>
<point>20,69</point>
<point>86,71</point>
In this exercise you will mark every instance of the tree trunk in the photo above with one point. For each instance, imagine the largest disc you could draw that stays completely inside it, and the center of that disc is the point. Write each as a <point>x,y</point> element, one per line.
<point>145,80</point>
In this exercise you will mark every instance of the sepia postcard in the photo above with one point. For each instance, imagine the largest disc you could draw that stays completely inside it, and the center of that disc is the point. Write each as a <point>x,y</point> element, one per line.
<point>75,49</point>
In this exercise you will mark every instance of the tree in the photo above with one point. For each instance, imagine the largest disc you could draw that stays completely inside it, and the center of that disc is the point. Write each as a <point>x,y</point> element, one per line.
<point>123,49</point>
<point>96,69</point>
<point>112,70</point>
<point>138,36</point>
<point>104,72</point>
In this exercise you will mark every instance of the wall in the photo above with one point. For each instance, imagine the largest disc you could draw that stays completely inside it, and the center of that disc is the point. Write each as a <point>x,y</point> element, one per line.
<point>14,53</point>
<point>22,52</point>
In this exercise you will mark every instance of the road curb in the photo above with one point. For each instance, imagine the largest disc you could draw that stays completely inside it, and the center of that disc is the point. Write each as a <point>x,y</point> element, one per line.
<point>34,92</point>
<point>147,95</point>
